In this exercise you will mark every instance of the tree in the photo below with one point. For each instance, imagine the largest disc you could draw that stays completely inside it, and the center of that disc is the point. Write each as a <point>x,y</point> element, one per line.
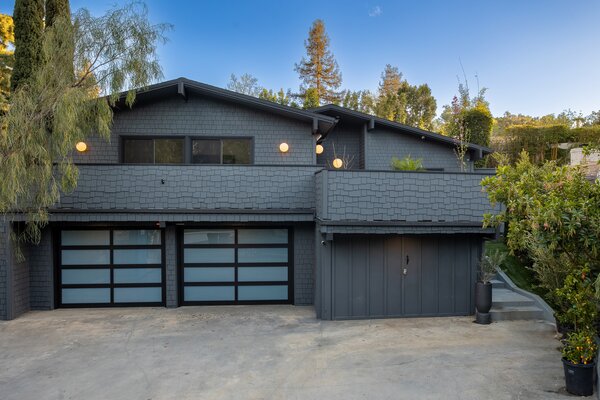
<point>7,41</point>
<point>319,70</point>
<point>311,98</point>
<point>468,114</point>
<point>391,80</point>
<point>245,84</point>
<point>553,216</point>
<point>280,97</point>
<point>55,9</point>
<point>361,100</point>
<point>402,102</point>
<point>28,18</point>
<point>421,106</point>
<point>113,52</point>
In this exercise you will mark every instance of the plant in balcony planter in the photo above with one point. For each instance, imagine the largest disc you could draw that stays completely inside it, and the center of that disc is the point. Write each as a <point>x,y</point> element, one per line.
<point>579,359</point>
<point>483,289</point>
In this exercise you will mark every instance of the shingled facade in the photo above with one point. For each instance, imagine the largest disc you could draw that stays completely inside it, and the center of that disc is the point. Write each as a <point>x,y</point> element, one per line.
<point>195,200</point>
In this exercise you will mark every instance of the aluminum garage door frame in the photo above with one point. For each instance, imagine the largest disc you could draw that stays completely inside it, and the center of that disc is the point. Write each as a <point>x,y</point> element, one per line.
<point>101,273</point>
<point>217,273</point>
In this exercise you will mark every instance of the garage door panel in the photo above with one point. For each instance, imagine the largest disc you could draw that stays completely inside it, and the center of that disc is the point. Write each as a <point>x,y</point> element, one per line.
<point>111,267</point>
<point>209,293</point>
<point>137,295</point>
<point>85,276</point>
<point>137,275</point>
<point>85,257</point>
<point>429,276</point>
<point>263,293</point>
<point>376,277</point>
<point>209,274</point>
<point>412,279</point>
<point>86,296</point>
<point>393,264</point>
<point>236,265</point>
<point>341,271</point>
<point>461,278</point>
<point>360,281</point>
<point>446,251</point>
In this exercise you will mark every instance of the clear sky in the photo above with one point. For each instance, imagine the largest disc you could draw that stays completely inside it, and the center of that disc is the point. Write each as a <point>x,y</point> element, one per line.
<point>534,56</point>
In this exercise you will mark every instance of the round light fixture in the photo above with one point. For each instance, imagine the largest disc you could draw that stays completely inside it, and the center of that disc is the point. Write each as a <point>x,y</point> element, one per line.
<point>319,149</point>
<point>284,147</point>
<point>337,163</point>
<point>81,147</point>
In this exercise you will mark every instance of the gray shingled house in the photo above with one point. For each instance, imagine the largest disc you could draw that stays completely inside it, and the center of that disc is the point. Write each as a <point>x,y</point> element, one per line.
<point>205,196</point>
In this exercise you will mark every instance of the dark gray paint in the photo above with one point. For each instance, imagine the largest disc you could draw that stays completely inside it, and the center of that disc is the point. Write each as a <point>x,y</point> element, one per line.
<point>382,144</point>
<point>206,117</point>
<point>368,280</point>
<point>371,196</point>
<point>343,141</point>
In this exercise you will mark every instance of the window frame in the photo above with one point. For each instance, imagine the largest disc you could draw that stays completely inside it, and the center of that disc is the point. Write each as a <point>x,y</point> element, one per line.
<point>187,147</point>
<point>123,138</point>
<point>221,138</point>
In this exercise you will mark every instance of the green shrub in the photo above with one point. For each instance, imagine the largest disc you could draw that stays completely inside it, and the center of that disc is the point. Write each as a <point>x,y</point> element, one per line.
<point>407,164</point>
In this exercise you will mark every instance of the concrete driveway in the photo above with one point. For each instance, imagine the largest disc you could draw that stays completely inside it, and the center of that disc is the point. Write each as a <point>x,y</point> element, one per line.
<point>271,352</point>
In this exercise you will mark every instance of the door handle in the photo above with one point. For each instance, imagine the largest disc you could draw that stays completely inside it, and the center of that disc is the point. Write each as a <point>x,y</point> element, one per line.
<point>407,260</point>
<point>405,271</point>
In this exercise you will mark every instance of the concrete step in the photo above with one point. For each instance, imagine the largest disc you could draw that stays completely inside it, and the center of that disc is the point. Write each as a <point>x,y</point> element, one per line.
<point>497,283</point>
<point>502,298</point>
<point>516,313</point>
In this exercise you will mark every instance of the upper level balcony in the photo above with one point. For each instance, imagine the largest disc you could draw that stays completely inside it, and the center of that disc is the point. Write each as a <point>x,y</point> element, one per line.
<point>437,201</point>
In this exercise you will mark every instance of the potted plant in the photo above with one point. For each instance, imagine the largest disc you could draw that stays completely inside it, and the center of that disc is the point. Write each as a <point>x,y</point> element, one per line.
<point>579,360</point>
<point>483,288</point>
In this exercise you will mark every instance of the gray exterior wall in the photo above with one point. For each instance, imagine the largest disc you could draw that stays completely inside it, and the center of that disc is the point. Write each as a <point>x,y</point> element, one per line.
<point>205,117</point>
<point>192,187</point>
<point>383,144</point>
<point>401,196</point>
<point>304,264</point>
<point>345,142</point>
<point>41,272</point>
<point>171,285</point>
<point>14,277</point>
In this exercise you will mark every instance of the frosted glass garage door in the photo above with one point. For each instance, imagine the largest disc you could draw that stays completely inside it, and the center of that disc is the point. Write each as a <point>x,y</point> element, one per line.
<point>236,265</point>
<point>111,267</point>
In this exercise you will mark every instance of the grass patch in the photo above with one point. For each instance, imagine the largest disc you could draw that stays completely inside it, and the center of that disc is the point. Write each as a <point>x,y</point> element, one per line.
<point>522,276</point>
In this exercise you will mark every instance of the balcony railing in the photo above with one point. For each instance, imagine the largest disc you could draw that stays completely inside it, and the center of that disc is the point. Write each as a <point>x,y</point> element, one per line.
<point>193,188</point>
<point>390,196</point>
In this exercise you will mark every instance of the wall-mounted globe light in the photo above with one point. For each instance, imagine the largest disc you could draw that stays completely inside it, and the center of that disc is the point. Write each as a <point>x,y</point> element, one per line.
<point>284,147</point>
<point>337,163</point>
<point>319,149</point>
<point>81,147</point>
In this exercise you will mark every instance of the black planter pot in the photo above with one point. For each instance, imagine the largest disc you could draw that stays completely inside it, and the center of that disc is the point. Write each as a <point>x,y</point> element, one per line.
<point>483,297</point>
<point>579,378</point>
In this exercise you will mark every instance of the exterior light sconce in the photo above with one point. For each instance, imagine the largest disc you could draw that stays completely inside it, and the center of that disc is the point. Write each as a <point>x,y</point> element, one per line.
<point>81,147</point>
<point>319,149</point>
<point>337,163</point>
<point>284,147</point>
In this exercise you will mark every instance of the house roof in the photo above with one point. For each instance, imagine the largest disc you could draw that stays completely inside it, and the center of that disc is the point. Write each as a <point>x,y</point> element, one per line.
<point>182,86</point>
<point>351,115</point>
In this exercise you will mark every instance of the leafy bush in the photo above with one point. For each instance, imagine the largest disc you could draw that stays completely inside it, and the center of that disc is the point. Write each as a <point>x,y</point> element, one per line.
<point>407,164</point>
<point>576,298</point>
<point>580,348</point>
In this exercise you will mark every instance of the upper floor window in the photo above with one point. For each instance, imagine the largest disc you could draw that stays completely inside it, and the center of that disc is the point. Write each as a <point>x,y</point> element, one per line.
<point>179,150</point>
<point>154,151</point>
<point>222,151</point>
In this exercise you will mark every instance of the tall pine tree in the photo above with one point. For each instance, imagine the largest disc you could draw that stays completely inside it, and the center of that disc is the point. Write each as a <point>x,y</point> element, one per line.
<point>319,70</point>
<point>56,8</point>
<point>28,18</point>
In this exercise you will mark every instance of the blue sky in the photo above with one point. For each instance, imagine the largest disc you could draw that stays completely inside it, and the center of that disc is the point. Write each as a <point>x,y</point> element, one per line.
<point>535,56</point>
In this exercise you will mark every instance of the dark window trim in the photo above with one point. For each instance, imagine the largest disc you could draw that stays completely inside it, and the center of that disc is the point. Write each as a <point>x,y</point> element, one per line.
<point>187,147</point>
<point>112,285</point>
<point>235,283</point>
